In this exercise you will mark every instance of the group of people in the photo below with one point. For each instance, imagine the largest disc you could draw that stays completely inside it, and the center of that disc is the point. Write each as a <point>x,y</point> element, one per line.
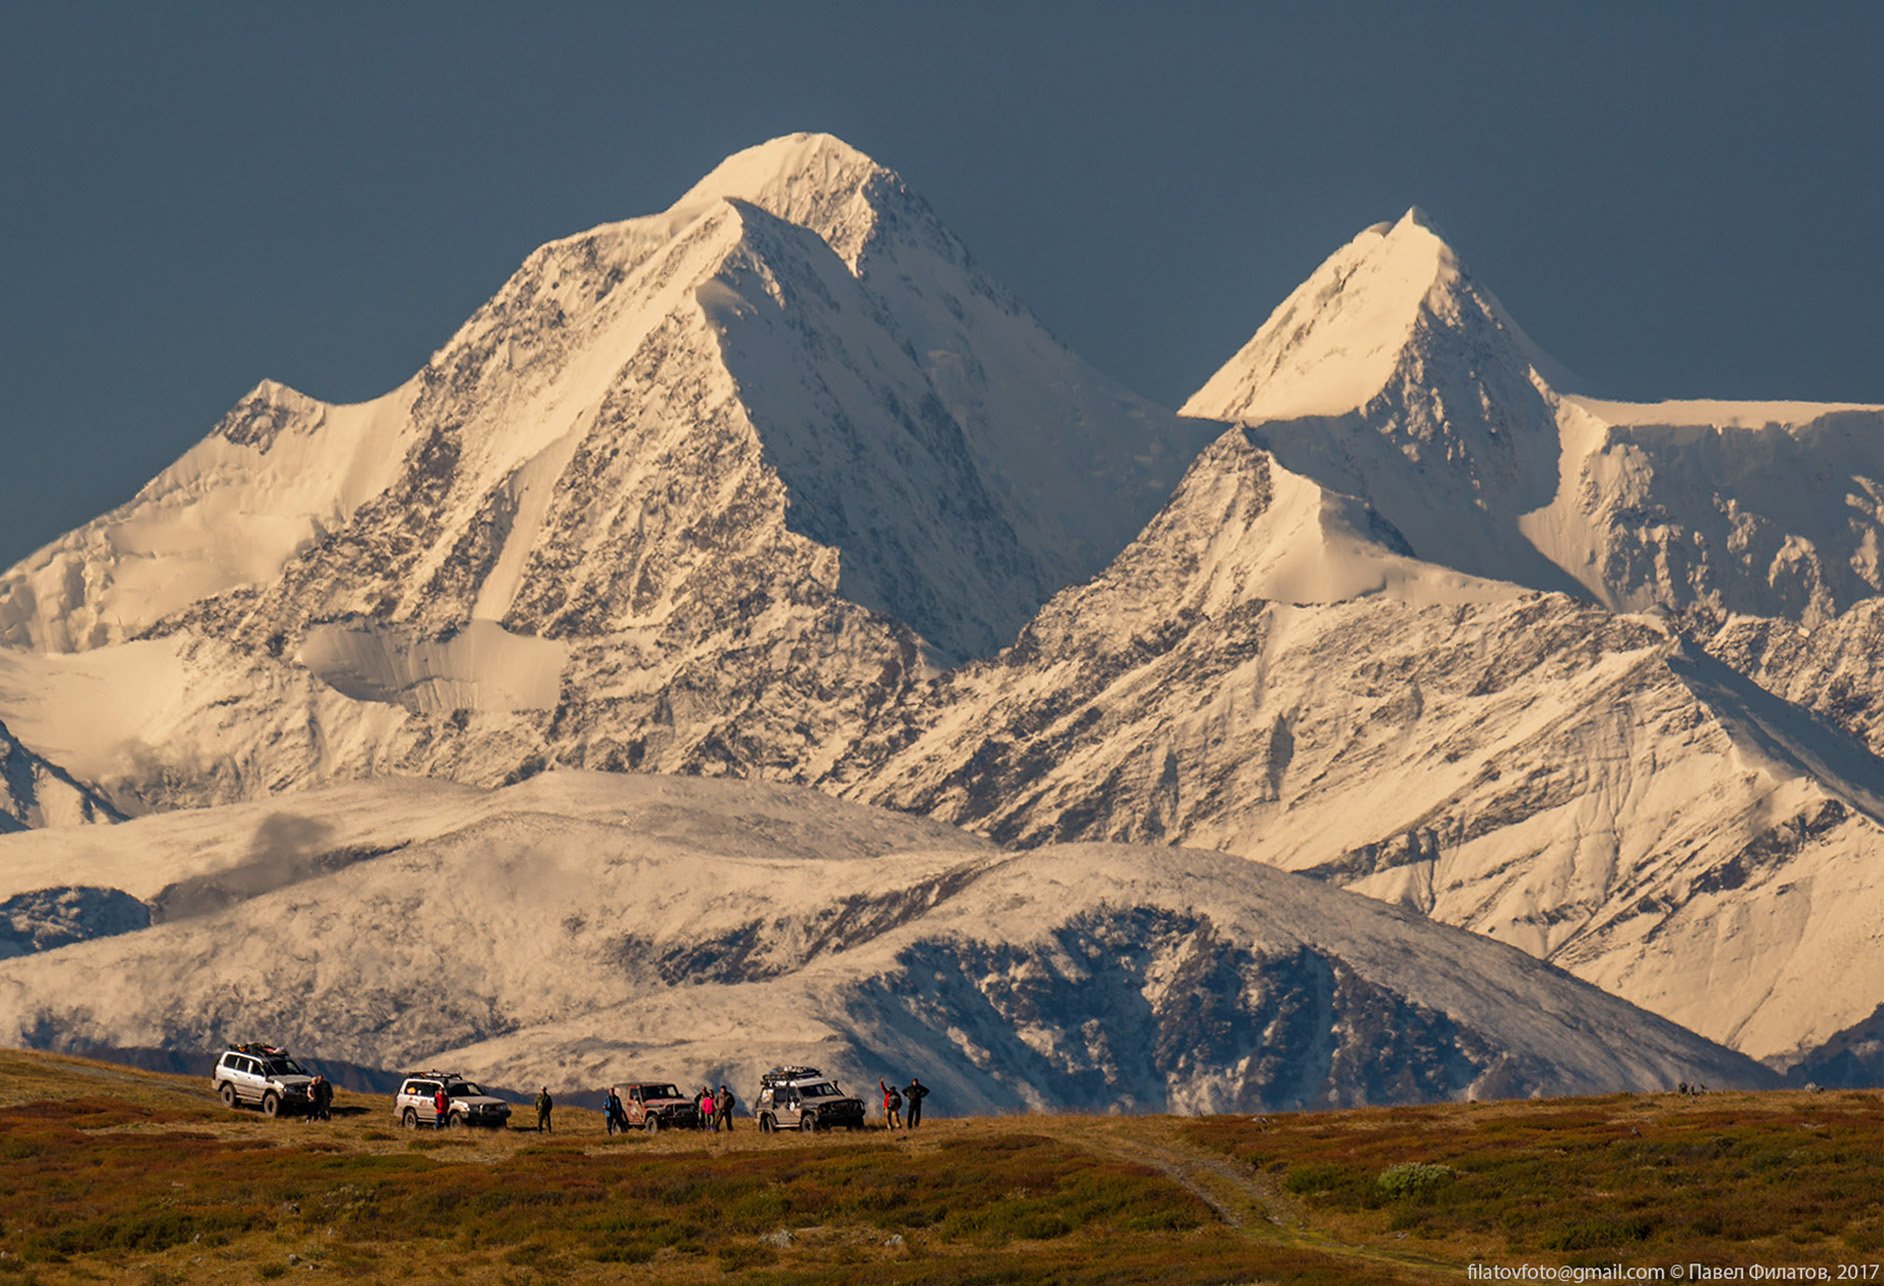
<point>320,1099</point>
<point>715,1107</point>
<point>894,1100</point>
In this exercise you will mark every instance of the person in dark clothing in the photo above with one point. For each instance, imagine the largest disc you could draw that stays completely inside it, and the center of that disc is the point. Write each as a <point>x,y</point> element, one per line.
<point>612,1111</point>
<point>544,1103</point>
<point>913,1094</point>
<point>316,1106</point>
<point>723,1110</point>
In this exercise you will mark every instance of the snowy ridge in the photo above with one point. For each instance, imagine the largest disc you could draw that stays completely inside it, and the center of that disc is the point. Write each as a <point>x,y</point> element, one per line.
<point>279,472</point>
<point>1392,375</point>
<point>34,792</point>
<point>578,929</point>
<point>1713,510</point>
<point>1573,782</point>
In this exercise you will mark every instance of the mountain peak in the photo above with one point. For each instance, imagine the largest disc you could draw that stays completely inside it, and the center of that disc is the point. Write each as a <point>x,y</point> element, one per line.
<point>1336,339</point>
<point>791,161</point>
<point>817,181</point>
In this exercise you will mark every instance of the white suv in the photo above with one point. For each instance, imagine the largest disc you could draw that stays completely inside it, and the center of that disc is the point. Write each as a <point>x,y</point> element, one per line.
<point>465,1103</point>
<point>263,1075</point>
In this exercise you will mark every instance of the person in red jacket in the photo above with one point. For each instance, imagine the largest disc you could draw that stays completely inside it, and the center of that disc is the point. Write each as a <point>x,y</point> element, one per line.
<point>441,1106</point>
<point>892,1105</point>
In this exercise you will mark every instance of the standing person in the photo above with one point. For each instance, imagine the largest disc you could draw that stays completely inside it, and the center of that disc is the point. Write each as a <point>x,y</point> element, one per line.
<point>723,1110</point>
<point>324,1098</point>
<point>915,1092</point>
<point>543,1105</point>
<point>705,1105</point>
<point>313,1100</point>
<point>441,1108</point>
<point>611,1110</point>
<point>892,1105</point>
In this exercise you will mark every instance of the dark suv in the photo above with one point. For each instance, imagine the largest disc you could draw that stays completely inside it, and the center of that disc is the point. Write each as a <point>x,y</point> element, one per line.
<point>657,1105</point>
<point>804,1098</point>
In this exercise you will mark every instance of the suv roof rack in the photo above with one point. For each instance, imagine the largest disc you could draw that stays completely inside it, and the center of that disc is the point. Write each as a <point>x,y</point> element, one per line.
<point>258,1047</point>
<point>780,1075</point>
<point>434,1076</point>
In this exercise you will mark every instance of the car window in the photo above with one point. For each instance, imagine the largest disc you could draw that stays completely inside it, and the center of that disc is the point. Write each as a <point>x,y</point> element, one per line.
<point>246,1065</point>
<point>664,1091</point>
<point>410,1087</point>
<point>285,1067</point>
<point>464,1089</point>
<point>823,1089</point>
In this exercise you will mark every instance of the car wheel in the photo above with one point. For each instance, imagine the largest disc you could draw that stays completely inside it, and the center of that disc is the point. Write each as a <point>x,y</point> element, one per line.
<point>271,1104</point>
<point>652,1124</point>
<point>228,1094</point>
<point>808,1124</point>
<point>410,1120</point>
<point>454,1120</point>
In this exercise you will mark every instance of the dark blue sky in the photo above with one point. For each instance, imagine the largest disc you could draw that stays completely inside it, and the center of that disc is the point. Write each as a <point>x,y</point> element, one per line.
<point>1675,199</point>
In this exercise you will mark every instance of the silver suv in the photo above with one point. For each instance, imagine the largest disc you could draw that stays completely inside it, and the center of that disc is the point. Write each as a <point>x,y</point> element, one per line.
<point>804,1098</point>
<point>466,1104</point>
<point>263,1075</point>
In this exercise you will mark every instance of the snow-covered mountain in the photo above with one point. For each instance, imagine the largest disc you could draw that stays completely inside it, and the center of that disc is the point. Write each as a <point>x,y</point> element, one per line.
<point>682,494</point>
<point>1394,375</point>
<point>730,490</point>
<point>1265,674</point>
<point>583,928</point>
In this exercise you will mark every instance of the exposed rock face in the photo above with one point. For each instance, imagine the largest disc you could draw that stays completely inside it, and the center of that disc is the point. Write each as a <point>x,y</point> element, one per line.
<point>35,792</point>
<point>1851,1059</point>
<point>47,919</point>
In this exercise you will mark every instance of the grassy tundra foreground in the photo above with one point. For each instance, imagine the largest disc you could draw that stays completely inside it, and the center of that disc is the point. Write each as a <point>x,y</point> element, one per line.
<point>110,1174</point>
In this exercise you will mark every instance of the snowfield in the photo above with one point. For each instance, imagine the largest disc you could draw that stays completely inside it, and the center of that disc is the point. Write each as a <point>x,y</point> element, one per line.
<point>584,928</point>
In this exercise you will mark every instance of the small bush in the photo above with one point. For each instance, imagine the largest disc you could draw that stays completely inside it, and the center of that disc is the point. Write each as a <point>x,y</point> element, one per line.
<point>1412,1179</point>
